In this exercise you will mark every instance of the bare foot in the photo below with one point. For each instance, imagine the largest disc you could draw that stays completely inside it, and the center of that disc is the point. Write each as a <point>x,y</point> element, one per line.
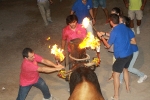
<point>110,79</point>
<point>128,89</point>
<point>114,98</point>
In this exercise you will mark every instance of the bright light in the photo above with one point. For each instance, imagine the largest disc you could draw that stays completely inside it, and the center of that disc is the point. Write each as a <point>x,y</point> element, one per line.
<point>57,52</point>
<point>90,41</point>
<point>85,22</point>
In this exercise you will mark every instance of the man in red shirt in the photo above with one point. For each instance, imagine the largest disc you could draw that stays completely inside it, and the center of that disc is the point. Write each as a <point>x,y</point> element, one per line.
<point>29,75</point>
<point>73,30</point>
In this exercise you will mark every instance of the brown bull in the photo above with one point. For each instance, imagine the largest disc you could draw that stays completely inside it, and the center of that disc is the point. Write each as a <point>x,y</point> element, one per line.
<point>84,85</point>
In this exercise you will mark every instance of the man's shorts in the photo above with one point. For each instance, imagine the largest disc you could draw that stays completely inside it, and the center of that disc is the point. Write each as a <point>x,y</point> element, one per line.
<point>135,13</point>
<point>121,63</point>
<point>101,3</point>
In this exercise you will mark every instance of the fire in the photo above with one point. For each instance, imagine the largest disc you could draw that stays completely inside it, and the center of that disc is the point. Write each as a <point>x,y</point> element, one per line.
<point>90,41</point>
<point>57,52</point>
<point>85,22</point>
<point>48,38</point>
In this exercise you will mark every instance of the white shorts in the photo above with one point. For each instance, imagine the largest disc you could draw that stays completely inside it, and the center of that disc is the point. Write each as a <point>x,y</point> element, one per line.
<point>135,13</point>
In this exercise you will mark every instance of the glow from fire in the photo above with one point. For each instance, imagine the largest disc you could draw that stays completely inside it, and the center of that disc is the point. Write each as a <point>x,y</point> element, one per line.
<point>85,22</point>
<point>89,41</point>
<point>57,52</point>
<point>48,38</point>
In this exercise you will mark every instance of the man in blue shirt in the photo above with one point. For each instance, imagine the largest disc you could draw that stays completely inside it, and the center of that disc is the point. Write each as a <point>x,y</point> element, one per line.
<point>120,37</point>
<point>82,9</point>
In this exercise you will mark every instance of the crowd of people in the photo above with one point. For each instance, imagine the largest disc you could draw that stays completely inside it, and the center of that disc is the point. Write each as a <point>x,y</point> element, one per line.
<point>121,39</point>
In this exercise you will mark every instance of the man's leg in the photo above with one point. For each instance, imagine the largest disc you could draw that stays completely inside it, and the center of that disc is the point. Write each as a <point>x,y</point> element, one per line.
<point>134,70</point>
<point>126,78</point>
<point>131,15</point>
<point>98,49</point>
<point>138,26</point>
<point>139,15</point>
<point>23,91</point>
<point>43,87</point>
<point>106,14</point>
<point>47,9</point>
<point>127,61</point>
<point>138,22</point>
<point>116,85</point>
<point>132,24</point>
<point>43,13</point>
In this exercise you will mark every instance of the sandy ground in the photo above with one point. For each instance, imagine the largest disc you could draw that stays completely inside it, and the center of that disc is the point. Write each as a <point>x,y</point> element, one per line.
<point>21,26</point>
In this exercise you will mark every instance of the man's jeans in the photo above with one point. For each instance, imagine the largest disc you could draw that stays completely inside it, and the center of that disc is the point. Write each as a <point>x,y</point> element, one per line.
<point>23,90</point>
<point>131,69</point>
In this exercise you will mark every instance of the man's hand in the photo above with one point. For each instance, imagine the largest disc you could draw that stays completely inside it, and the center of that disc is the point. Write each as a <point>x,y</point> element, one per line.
<point>100,34</point>
<point>59,67</point>
<point>142,7</point>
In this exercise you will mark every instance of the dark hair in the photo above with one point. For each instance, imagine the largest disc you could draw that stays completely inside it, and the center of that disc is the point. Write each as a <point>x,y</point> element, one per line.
<point>114,18</point>
<point>26,51</point>
<point>71,18</point>
<point>117,10</point>
<point>81,73</point>
<point>126,20</point>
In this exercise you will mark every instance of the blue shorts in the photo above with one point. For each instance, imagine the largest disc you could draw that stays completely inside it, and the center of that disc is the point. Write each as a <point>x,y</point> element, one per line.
<point>121,63</point>
<point>101,3</point>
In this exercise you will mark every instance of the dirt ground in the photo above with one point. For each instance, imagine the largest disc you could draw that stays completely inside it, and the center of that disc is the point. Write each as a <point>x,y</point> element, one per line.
<point>21,26</point>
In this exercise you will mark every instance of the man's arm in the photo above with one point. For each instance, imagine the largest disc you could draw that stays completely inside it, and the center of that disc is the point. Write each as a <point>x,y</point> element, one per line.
<point>100,35</point>
<point>49,63</point>
<point>91,13</point>
<point>133,41</point>
<point>143,4</point>
<point>48,69</point>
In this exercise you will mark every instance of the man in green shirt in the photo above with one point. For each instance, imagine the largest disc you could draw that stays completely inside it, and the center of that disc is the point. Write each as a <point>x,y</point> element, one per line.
<point>135,9</point>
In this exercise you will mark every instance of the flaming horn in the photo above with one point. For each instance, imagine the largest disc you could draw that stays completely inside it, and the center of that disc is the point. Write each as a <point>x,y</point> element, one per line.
<point>86,22</point>
<point>59,56</point>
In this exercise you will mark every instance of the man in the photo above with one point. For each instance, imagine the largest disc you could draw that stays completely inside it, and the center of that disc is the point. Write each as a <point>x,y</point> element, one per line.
<point>44,7</point>
<point>73,30</point>
<point>120,37</point>
<point>82,9</point>
<point>135,8</point>
<point>102,4</point>
<point>29,75</point>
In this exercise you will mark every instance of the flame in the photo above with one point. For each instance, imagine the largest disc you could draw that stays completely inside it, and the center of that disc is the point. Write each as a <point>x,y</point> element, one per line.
<point>48,38</point>
<point>85,22</point>
<point>89,41</point>
<point>57,52</point>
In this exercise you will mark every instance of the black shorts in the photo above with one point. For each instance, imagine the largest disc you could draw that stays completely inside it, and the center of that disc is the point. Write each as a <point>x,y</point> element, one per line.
<point>121,63</point>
